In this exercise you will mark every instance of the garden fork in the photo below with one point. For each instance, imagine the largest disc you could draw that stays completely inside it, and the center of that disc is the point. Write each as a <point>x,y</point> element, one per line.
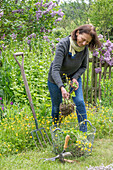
<point>31,104</point>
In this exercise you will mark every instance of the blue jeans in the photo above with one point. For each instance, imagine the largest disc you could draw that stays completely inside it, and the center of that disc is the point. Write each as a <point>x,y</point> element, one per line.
<point>56,98</point>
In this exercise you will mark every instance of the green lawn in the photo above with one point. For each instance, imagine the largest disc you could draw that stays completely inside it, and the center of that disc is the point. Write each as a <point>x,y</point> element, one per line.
<point>102,153</point>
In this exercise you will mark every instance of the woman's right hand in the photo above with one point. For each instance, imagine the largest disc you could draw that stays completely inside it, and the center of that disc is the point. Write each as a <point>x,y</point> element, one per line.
<point>65,94</point>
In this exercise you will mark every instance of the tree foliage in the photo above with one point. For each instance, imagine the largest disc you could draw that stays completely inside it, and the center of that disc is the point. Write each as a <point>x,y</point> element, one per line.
<point>76,11</point>
<point>101,15</point>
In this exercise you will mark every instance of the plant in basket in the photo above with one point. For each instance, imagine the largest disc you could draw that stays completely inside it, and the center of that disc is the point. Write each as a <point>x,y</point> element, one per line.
<point>79,143</point>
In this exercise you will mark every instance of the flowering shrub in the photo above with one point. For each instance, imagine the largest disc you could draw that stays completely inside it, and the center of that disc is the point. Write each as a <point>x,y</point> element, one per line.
<point>24,19</point>
<point>104,53</point>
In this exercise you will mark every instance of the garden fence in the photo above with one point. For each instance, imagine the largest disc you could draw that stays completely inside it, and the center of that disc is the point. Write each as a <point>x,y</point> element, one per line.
<point>92,80</point>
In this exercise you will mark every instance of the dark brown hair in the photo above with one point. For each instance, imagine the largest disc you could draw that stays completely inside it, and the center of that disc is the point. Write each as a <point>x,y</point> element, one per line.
<point>88,29</point>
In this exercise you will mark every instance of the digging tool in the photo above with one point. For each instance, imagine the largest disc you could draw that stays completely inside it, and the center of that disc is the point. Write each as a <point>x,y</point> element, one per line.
<point>57,157</point>
<point>31,104</point>
<point>61,155</point>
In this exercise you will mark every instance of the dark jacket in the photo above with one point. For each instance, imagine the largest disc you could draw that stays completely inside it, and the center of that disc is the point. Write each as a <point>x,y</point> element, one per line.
<point>64,63</point>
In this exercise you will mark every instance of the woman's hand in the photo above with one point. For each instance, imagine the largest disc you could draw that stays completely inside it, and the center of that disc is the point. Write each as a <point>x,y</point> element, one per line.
<point>65,94</point>
<point>75,84</point>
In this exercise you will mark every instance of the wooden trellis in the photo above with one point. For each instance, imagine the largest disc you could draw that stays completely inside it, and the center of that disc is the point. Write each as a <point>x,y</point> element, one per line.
<point>92,80</point>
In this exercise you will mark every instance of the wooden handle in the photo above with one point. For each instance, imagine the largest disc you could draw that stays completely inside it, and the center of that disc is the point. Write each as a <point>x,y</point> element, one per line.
<point>66,141</point>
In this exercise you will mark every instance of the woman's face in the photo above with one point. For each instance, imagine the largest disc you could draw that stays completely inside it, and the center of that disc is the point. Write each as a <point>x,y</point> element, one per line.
<point>83,39</point>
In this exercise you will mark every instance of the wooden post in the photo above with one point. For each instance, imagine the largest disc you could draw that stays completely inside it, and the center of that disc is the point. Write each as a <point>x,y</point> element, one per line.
<point>93,79</point>
<point>96,64</point>
<point>87,87</point>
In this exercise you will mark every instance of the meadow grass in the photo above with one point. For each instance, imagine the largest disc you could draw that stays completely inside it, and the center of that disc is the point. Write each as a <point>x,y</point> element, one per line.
<point>18,151</point>
<point>102,154</point>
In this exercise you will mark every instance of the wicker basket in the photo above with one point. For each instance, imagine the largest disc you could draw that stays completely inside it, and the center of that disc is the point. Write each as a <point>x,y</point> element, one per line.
<point>80,143</point>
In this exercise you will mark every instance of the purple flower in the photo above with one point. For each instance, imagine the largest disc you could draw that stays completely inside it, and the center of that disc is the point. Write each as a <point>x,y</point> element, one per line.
<point>100,36</point>
<point>101,57</point>
<point>29,41</point>
<point>3,36</point>
<point>107,59</point>
<point>0,98</point>
<point>95,53</point>
<point>109,49</point>
<point>38,3</point>
<point>45,12</point>
<point>17,11</point>
<point>60,10</point>
<point>108,43</point>
<point>39,11</point>
<point>33,35</point>
<point>61,14</point>
<point>38,14</point>
<point>59,19</point>
<point>58,1</point>
<point>53,13</point>
<point>98,70</point>
<point>58,39</point>
<point>11,103</point>
<point>45,5</point>
<point>45,37</point>
<point>2,108</point>
<point>41,3</point>
<point>112,46</point>
<point>14,36</point>
<point>107,54</point>
<point>51,3</point>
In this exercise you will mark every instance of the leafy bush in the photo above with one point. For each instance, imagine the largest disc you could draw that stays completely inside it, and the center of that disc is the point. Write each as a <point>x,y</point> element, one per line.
<point>36,64</point>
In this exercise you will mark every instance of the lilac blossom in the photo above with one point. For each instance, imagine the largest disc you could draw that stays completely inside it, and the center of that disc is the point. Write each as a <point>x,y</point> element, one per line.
<point>29,41</point>
<point>45,12</point>
<point>41,3</point>
<point>45,5</point>
<point>98,70</point>
<point>53,13</point>
<point>109,49</point>
<point>38,14</point>
<point>33,35</point>
<point>58,39</point>
<point>38,3</point>
<point>59,19</point>
<point>14,36</point>
<point>58,1</point>
<point>61,14</point>
<point>60,10</point>
<point>101,57</point>
<point>46,38</point>
<point>107,59</point>
<point>54,5</point>
<point>18,11</point>
<point>107,54</point>
<point>112,46</point>
<point>95,53</point>
<point>100,36</point>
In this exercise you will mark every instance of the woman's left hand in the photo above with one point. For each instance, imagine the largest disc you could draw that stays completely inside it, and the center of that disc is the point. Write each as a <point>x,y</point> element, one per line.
<point>75,84</point>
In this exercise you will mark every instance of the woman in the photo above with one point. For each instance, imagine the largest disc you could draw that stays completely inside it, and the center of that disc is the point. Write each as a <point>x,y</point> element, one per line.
<point>71,59</point>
